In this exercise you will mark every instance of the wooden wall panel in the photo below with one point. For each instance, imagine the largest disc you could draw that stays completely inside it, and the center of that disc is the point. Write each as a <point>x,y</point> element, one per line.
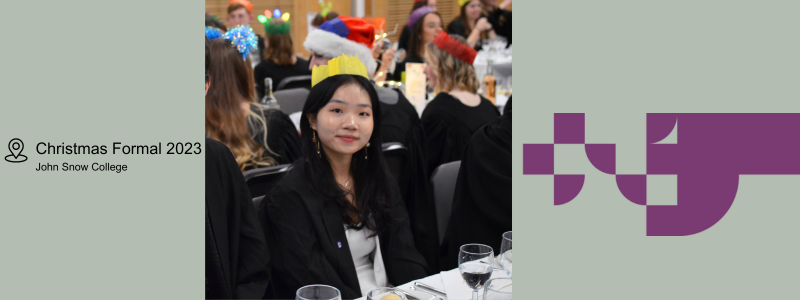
<point>395,12</point>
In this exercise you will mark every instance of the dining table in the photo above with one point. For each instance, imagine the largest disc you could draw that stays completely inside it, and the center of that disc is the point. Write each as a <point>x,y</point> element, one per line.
<point>450,282</point>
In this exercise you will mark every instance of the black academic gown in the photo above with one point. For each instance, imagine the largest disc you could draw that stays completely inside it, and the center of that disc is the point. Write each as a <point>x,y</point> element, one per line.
<point>400,123</point>
<point>305,231</point>
<point>449,125</point>
<point>501,22</point>
<point>237,259</point>
<point>482,201</point>
<point>282,136</point>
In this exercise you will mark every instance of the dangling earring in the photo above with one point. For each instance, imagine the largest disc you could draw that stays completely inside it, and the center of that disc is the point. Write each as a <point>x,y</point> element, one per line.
<point>316,143</point>
<point>366,151</point>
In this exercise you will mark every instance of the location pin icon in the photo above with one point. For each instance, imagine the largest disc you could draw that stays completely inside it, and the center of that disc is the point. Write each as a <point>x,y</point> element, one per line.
<point>15,146</point>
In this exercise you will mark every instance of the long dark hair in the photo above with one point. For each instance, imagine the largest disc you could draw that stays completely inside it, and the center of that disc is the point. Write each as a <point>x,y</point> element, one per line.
<point>415,44</point>
<point>468,26</point>
<point>225,120</point>
<point>370,178</point>
<point>281,48</point>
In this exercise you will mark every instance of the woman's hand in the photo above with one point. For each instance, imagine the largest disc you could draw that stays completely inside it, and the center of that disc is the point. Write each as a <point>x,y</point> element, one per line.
<point>388,57</point>
<point>376,48</point>
<point>483,25</point>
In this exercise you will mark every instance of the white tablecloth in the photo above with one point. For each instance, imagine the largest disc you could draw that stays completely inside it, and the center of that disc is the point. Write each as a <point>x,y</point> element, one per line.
<point>451,283</point>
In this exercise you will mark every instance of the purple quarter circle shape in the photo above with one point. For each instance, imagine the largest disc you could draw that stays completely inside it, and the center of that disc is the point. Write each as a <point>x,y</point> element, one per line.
<point>566,188</point>
<point>603,157</point>
<point>633,187</point>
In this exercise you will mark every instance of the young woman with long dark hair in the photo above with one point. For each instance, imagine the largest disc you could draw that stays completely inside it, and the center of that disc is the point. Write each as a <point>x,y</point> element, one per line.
<point>336,218</point>
<point>425,24</point>
<point>257,137</point>
<point>470,24</point>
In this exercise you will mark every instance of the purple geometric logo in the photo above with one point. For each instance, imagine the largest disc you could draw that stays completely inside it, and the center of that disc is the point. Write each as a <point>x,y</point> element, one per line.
<point>711,151</point>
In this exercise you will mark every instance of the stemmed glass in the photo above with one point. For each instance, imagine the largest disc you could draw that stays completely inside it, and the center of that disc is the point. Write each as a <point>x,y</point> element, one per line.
<point>475,262</point>
<point>318,292</point>
<point>505,253</point>
<point>378,294</point>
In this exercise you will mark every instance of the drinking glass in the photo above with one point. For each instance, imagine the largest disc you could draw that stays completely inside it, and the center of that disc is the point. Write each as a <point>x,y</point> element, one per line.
<point>318,292</point>
<point>497,289</point>
<point>378,294</point>
<point>505,253</point>
<point>475,262</point>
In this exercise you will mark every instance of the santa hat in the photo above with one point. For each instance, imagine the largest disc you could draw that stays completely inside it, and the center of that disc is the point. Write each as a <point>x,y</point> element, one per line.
<point>344,35</point>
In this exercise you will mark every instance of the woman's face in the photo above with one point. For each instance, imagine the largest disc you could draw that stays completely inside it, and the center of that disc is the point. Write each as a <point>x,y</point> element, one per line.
<point>473,10</point>
<point>344,125</point>
<point>431,25</point>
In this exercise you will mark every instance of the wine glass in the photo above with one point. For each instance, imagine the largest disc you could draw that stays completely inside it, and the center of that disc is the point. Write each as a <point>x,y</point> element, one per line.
<point>378,294</point>
<point>505,253</point>
<point>497,289</point>
<point>318,292</point>
<point>475,262</point>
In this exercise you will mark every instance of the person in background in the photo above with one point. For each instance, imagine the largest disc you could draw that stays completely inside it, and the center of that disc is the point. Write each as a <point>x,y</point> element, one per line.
<point>280,61</point>
<point>481,210</point>
<point>499,17</point>
<point>470,24</point>
<point>381,49</point>
<point>336,218</point>
<point>322,17</point>
<point>237,257</point>
<point>240,12</point>
<point>257,137</point>
<point>212,21</point>
<point>457,111</point>
<point>406,33</point>
<point>425,24</point>
<point>400,124</point>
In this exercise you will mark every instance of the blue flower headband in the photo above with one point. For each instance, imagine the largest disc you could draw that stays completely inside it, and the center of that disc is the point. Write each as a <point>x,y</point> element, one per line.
<point>243,38</point>
<point>213,32</point>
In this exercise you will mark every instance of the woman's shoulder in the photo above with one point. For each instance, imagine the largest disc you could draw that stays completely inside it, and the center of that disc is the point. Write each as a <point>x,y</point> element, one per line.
<point>293,186</point>
<point>439,105</point>
<point>488,106</point>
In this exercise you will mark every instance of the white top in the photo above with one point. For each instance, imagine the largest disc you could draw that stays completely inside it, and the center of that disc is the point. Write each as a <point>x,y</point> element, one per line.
<point>366,253</point>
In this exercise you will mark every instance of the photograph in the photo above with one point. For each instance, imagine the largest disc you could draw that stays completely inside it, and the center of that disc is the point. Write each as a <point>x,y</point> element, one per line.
<point>358,149</point>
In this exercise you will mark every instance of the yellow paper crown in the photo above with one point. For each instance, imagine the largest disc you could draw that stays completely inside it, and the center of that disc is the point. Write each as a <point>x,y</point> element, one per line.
<point>338,66</point>
<point>462,2</point>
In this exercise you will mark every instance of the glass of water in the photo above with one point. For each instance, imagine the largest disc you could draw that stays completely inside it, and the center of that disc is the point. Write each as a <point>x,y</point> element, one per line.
<point>318,292</point>
<point>475,262</point>
<point>506,253</point>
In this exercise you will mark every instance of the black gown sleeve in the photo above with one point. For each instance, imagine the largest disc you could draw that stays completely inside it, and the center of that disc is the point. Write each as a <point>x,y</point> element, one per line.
<point>481,210</point>
<point>446,142</point>
<point>283,137</point>
<point>298,254</point>
<point>237,259</point>
<point>404,263</point>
